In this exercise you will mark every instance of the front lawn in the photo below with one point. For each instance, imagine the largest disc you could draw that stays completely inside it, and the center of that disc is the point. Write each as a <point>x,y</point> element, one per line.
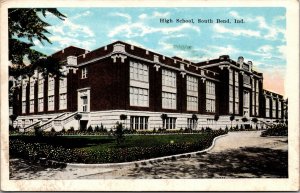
<point>104,149</point>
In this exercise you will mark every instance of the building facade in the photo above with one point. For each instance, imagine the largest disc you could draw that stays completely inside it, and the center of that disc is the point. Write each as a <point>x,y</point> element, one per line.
<point>152,90</point>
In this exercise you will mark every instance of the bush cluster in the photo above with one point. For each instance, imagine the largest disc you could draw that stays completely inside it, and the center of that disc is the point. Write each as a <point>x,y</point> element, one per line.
<point>35,151</point>
<point>276,130</point>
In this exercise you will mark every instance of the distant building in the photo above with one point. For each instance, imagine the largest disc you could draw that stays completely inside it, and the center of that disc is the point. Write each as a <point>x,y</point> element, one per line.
<point>120,78</point>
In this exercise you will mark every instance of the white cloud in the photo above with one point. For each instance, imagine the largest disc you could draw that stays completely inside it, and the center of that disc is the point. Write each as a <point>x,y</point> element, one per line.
<point>267,30</point>
<point>159,14</point>
<point>155,14</point>
<point>234,14</point>
<point>143,16</point>
<point>282,50</point>
<point>265,48</point>
<point>139,29</point>
<point>235,32</point>
<point>83,14</point>
<point>68,28</point>
<point>124,15</point>
<point>64,41</point>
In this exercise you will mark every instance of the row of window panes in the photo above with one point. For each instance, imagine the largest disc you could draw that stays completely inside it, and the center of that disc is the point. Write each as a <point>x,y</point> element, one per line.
<point>230,76</point>
<point>84,72</point>
<point>139,72</point>
<point>168,78</point>
<point>210,105</point>
<point>236,74</point>
<point>50,83</point>
<point>139,97</point>
<point>168,100</point>
<point>169,123</point>
<point>247,79</point>
<point>139,122</point>
<point>210,89</point>
<point>192,83</point>
<point>192,103</point>
<point>267,112</point>
<point>191,123</point>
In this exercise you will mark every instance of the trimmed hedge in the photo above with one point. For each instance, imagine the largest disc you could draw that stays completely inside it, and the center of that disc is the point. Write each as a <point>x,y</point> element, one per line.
<point>35,151</point>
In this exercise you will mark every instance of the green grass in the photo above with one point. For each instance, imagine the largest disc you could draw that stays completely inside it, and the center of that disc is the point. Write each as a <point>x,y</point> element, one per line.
<point>104,149</point>
<point>108,142</point>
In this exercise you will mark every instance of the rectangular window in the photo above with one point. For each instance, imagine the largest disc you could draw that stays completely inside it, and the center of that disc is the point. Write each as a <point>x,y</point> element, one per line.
<point>31,88</point>
<point>62,83</point>
<point>236,99</point>
<point>31,106</point>
<point>41,104</point>
<point>168,100</point>
<point>168,78</point>
<point>274,108</point>
<point>279,109</point>
<point>139,122</point>
<point>191,123</point>
<point>84,103</point>
<point>139,72</point>
<point>84,72</point>
<point>236,107</point>
<point>230,76</point>
<point>169,123</point>
<point>50,83</point>
<point>62,101</point>
<point>41,86</point>
<point>236,74</point>
<point>230,99</point>
<point>267,107</point>
<point>192,83</point>
<point>23,92</point>
<point>23,107</point>
<point>51,103</point>
<point>139,97</point>
<point>210,96</point>
<point>192,103</point>
<point>192,93</point>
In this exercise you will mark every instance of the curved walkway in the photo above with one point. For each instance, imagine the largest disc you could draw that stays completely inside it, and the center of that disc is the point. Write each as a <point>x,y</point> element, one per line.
<point>237,155</point>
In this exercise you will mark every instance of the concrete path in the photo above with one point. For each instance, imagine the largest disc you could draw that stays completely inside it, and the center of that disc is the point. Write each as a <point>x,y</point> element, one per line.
<point>238,155</point>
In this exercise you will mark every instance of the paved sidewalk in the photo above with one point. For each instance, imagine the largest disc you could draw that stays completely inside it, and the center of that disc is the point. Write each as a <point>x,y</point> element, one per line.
<point>238,155</point>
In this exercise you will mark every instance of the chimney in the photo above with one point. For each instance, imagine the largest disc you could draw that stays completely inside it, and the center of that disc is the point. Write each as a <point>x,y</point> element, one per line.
<point>240,61</point>
<point>250,65</point>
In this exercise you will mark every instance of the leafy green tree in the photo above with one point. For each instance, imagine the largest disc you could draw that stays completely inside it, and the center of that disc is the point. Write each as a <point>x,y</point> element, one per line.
<point>119,134</point>
<point>24,27</point>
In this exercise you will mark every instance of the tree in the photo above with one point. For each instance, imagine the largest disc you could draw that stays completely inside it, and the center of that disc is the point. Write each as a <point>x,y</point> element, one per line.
<point>163,117</point>
<point>119,133</point>
<point>231,119</point>
<point>24,27</point>
<point>123,117</point>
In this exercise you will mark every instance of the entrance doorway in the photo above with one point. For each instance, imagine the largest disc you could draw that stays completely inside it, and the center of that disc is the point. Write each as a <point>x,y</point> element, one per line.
<point>83,124</point>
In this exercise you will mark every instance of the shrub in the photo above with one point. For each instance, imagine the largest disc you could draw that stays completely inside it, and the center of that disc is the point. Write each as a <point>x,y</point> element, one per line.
<point>71,130</point>
<point>53,130</point>
<point>154,130</point>
<point>97,129</point>
<point>63,130</point>
<point>226,129</point>
<point>207,129</point>
<point>276,130</point>
<point>90,129</point>
<point>119,133</point>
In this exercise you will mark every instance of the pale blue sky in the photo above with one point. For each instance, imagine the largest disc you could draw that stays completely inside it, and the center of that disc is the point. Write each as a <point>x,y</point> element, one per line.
<point>260,39</point>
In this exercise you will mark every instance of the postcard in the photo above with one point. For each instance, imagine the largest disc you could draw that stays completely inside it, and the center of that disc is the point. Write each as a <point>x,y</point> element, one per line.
<point>150,96</point>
